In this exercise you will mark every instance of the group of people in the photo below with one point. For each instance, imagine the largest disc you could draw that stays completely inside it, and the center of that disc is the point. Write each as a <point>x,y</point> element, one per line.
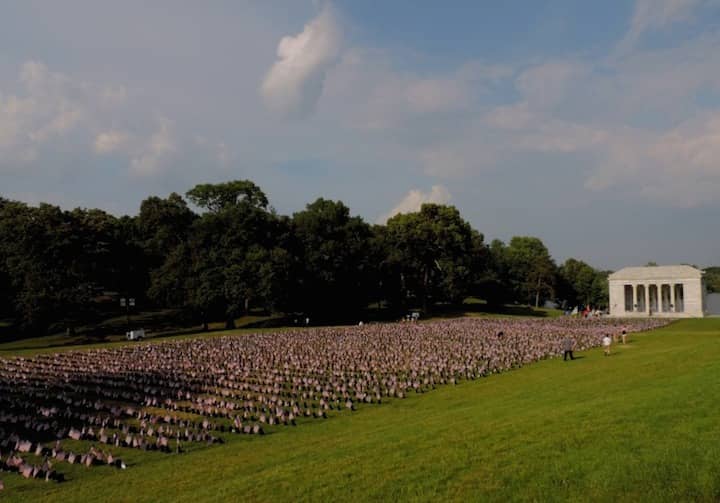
<point>607,341</point>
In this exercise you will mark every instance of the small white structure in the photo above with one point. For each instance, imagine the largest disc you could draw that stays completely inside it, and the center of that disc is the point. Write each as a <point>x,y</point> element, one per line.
<point>673,291</point>
<point>135,335</point>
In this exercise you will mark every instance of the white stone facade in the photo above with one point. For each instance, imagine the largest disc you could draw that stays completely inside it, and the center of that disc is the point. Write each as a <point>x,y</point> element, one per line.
<point>660,291</point>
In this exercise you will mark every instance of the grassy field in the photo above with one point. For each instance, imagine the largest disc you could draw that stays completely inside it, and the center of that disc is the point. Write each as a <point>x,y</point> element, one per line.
<point>640,425</point>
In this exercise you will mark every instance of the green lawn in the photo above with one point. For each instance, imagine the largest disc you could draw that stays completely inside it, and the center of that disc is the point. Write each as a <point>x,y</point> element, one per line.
<point>473,307</point>
<point>641,425</point>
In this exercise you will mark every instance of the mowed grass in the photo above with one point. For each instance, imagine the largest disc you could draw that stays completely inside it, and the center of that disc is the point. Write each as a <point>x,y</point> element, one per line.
<point>640,425</point>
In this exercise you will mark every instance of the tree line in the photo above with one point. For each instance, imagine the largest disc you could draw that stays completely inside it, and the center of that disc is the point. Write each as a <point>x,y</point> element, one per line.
<point>236,254</point>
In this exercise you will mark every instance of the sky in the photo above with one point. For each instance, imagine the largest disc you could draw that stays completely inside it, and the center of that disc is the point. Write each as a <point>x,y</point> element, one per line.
<point>592,125</point>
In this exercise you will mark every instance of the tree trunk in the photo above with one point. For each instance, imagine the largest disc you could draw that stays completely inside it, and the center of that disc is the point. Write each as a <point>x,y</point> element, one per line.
<point>426,281</point>
<point>229,324</point>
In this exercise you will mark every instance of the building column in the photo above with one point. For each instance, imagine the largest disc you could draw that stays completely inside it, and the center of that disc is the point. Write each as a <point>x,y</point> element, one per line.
<point>647,298</point>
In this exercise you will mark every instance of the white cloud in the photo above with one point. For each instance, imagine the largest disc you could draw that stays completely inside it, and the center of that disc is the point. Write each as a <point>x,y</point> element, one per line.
<point>52,112</point>
<point>222,154</point>
<point>154,156</point>
<point>372,94</point>
<point>431,95</point>
<point>516,116</point>
<point>677,167</point>
<point>113,95</point>
<point>295,82</point>
<point>547,84</point>
<point>52,106</point>
<point>39,80</point>
<point>458,159</point>
<point>414,199</point>
<point>111,141</point>
<point>658,14</point>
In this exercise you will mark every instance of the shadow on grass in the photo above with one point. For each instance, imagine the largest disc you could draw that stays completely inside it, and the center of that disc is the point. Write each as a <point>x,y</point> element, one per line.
<point>458,311</point>
<point>166,323</point>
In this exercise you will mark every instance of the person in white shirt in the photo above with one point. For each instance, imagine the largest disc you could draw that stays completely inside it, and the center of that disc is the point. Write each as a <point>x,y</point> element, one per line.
<point>606,344</point>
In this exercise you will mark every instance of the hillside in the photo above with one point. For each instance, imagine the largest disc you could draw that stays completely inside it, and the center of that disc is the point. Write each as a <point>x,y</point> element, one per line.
<point>640,424</point>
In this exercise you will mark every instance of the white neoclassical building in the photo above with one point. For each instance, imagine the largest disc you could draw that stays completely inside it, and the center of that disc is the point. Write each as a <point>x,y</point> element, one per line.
<point>672,291</point>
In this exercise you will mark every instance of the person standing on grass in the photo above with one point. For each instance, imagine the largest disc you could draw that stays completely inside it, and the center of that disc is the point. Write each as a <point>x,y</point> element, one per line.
<point>568,345</point>
<point>624,335</point>
<point>606,344</point>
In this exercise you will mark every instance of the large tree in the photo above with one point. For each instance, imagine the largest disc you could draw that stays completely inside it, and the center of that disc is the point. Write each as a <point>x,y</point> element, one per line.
<point>57,262</point>
<point>581,284</point>
<point>493,284</point>
<point>216,197</point>
<point>530,269</point>
<point>712,279</point>
<point>435,253</point>
<point>161,230</point>
<point>229,250</point>
<point>334,270</point>
<point>163,224</point>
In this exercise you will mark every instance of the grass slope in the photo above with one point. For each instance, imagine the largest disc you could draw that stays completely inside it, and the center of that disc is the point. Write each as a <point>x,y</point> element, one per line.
<point>639,425</point>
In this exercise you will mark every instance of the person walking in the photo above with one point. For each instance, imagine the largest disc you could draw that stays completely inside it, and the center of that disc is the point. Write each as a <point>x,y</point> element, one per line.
<point>606,342</point>
<point>568,345</point>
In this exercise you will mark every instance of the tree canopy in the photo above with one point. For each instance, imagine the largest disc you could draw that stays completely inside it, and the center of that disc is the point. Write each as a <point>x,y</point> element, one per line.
<point>60,268</point>
<point>220,196</point>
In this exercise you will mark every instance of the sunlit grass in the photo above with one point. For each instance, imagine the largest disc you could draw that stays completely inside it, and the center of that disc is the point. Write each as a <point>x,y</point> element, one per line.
<point>640,425</point>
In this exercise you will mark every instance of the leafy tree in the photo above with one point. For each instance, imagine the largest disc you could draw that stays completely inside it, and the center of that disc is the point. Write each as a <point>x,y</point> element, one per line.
<point>334,273</point>
<point>56,262</point>
<point>161,230</point>
<point>600,295</point>
<point>712,279</point>
<point>163,224</point>
<point>493,285</point>
<point>170,282</point>
<point>530,269</point>
<point>220,196</point>
<point>435,253</point>
<point>579,283</point>
<point>578,277</point>
<point>227,244</point>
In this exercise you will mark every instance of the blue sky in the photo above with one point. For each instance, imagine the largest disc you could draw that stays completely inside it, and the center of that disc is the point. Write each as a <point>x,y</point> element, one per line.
<point>593,125</point>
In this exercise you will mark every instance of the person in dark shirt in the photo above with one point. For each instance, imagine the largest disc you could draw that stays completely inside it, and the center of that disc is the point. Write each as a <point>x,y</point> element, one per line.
<point>568,345</point>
